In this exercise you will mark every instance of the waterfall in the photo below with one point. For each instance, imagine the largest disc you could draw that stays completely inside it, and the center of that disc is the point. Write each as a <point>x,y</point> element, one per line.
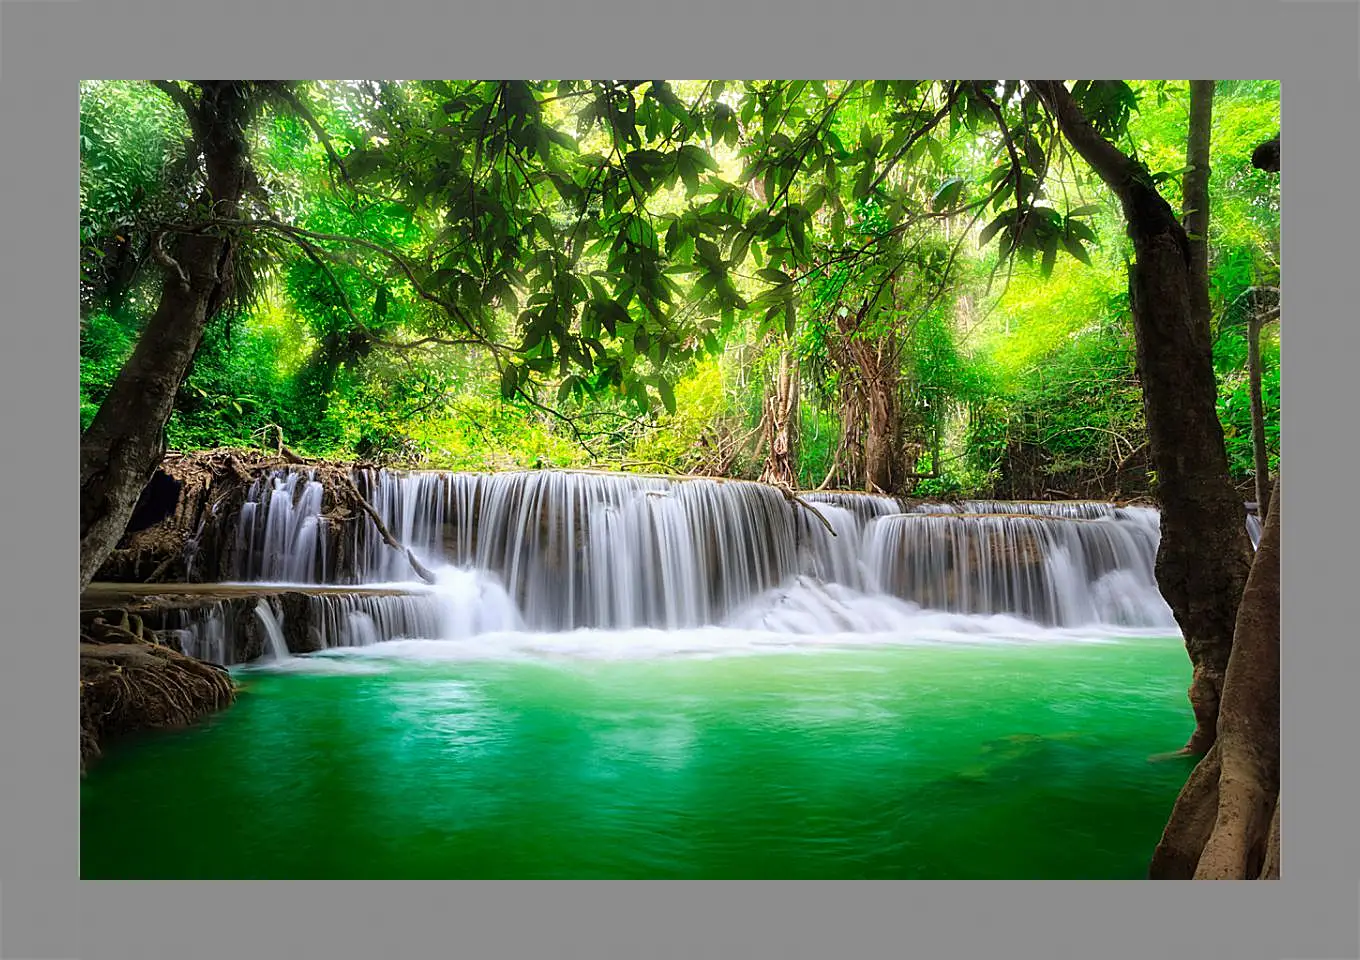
<point>1056,570</point>
<point>279,536</point>
<point>275,645</point>
<point>205,635</point>
<point>587,550</point>
<point>550,552</point>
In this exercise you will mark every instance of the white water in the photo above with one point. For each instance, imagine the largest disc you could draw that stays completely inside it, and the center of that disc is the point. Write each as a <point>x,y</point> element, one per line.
<point>1254,530</point>
<point>275,646</point>
<point>560,563</point>
<point>279,536</point>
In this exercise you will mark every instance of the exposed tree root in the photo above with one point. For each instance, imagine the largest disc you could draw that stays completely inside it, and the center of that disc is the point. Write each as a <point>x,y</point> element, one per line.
<point>128,683</point>
<point>1225,824</point>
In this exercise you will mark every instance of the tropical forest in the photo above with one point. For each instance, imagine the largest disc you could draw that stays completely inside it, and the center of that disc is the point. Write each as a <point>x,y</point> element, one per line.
<point>694,479</point>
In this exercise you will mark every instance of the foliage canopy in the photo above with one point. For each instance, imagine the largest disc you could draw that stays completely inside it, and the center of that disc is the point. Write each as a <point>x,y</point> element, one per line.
<point>475,274</point>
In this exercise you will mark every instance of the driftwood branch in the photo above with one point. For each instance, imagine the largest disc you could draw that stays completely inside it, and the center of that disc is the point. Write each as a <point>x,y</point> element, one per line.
<point>792,497</point>
<point>386,534</point>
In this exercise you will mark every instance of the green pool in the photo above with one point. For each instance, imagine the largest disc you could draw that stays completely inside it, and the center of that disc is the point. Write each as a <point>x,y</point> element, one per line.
<point>936,761</point>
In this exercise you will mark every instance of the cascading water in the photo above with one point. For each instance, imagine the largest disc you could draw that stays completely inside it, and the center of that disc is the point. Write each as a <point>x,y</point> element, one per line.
<point>1056,571</point>
<point>275,645</point>
<point>584,550</point>
<point>1254,529</point>
<point>279,536</point>
<point>547,552</point>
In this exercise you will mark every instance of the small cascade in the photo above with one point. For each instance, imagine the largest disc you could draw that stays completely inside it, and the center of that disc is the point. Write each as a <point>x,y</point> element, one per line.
<point>205,635</point>
<point>1070,509</point>
<point>1056,571</point>
<point>360,620</point>
<point>587,550</point>
<point>865,506</point>
<point>279,536</point>
<point>275,646</point>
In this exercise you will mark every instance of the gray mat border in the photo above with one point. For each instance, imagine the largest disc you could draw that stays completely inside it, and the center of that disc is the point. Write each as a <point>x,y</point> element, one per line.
<point>47,45</point>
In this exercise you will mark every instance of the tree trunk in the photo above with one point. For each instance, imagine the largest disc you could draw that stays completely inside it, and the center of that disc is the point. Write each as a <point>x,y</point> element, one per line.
<point>1260,455</point>
<point>1195,197</point>
<point>1205,554</point>
<point>126,440</point>
<point>781,423</point>
<point>1226,822</point>
<point>871,362</point>
<point>883,445</point>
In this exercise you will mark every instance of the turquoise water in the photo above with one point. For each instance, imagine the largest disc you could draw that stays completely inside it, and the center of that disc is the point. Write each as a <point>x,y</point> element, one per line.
<point>935,761</point>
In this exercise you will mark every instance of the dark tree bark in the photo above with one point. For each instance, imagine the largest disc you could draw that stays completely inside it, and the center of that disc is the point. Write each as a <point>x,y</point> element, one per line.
<point>1226,822</point>
<point>126,440</point>
<point>1267,155</point>
<point>1205,553</point>
<point>883,441</point>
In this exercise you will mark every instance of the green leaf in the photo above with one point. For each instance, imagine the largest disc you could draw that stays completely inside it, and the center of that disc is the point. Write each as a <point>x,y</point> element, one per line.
<point>1075,248</point>
<point>774,276</point>
<point>864,180</point>
<point>990,230</point>
<point>509,380</point>
<point>948,194</point>
<point>1080,230</point>
<point>797,233</point>
<point>708,252</point>
<point>667,395</point>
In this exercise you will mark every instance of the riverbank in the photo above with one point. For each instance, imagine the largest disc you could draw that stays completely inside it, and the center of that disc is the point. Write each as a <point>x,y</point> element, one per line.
<point>129,682</point>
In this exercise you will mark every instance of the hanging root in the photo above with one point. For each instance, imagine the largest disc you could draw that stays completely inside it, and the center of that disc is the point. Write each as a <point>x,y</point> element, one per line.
<point>128,683</point>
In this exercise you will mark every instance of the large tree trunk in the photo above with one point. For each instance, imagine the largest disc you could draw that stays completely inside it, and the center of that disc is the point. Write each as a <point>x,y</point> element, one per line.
<point>781,423</point>
<point>1205,553</point>
<point>872,363</point>
<point>1226,821</point>
<point>126,440</point>
<point>883,444</point>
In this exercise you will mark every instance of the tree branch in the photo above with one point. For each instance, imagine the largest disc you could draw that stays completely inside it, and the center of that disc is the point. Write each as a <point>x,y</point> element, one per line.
<point>186,103</point>
<point>397,258</point>
<point>293,100</point>
<point>159,254</point>
<point>930,125</point>
<point>386,534</point>
<point>1118,171</point>
<point>1016,170</point>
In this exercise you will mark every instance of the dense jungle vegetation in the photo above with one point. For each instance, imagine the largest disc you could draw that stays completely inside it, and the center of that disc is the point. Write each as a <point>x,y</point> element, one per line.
<point>910,286</point>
